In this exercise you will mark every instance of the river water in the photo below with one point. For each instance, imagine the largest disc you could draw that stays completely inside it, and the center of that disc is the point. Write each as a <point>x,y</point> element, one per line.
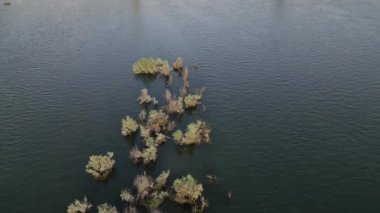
<point>293,97</point>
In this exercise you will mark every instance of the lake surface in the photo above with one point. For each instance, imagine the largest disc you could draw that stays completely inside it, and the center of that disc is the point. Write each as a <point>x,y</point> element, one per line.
<point>293,97</point>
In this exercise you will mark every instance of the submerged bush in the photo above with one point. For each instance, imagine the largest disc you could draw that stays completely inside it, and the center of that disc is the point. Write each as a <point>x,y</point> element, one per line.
<point>79,206</point>
<point>149,154</point>
<point>160,139</point>
<point>100,166</point>
<point>185,78</point>
<point>142,115</point>
<point>178,64</point>
<point>128,126</point>
<point>106,208</point>
<point>200,206</point>
<point>135,154</point>
<point>187,190</point>
<point>192,101</point>
<point>145,131</point>
<point>158,121</point>
<point>127,196</point>
<point>196,133</point>
<point>144,185</point>
<point>144,97</point>
<point>155,199</point>
<point>161,179</point>
<point>175,106</point>
<point>164,68</point>
<point>146,66</point>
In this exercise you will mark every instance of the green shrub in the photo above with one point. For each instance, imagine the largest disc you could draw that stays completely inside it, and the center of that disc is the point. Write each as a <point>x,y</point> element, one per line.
<point>187,190</point>
<point>146,66</point>
<point>100,166</point>
<point>127,196</point>
<point>158,121</point>
<point>79,206</point>
<point>192,101</point>
<point>196,133</point>
<point>178,64</point>
<point>144,97</point>
<point>106,208</point>
<point>128,126</point>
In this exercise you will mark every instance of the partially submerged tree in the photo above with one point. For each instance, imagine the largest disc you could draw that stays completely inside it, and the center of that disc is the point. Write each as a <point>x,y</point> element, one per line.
<point>185,78</point>
<point>191,101</point>
<point>144,185</point>
<point>149,154</point>
<point>79,206</point>
<point>158,121</point>
<point>161,179</point>
<point>164,68</point>
<point>146,66</point>
<point>160,139</point>
<point>200,205</point>
<point>100,166</point>
<point>107,208</point>
<point>178,64</point>
<point>135,154</point>
<point>155,199</point>
<point>145,131</point>
<point>173,105</point>
<point>187,190</point>
<point>196,133</point>
<point>127,196</point>
<point>128,126</point>
<point>144,97</point>
<point>142,115</point>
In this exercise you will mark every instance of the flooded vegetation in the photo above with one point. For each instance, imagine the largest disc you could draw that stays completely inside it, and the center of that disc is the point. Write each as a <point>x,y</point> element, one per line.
<point>289,121</point>
<point>100,166</point>
<point>79,206</point>
<point>154,127</point>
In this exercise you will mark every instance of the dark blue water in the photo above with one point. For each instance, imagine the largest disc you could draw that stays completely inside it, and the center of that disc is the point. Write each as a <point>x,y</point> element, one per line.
<point>293,96</point>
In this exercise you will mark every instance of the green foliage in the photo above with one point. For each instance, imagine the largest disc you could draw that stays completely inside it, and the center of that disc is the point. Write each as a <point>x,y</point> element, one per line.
<point>187,190</point>
<point>144,97</point>
<point>146,66</point>
<point>161,179</point>
<point>185,78</point>
<point>79,206</point>
<point>175,106</point>
<point>160,139</point>
<point>178,64</point>
<point>128,126</point>
<point>144,185</point>
<point>200,206</point>
<point>158,121</point>
<point>106,208</point>
<point>164,67</point>
<point>145,131</point>
<point>135,154</point>
<point>155,199</point>
<point>149,154</point>
<point>100,166</point>
<point>142,115</point>
<point>196,133</point>
<point>127,196</point>
<point>178,136</point>
<point>192,101</point>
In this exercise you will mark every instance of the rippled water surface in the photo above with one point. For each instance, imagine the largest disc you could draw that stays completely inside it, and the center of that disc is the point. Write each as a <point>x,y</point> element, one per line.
<point>293,96</point>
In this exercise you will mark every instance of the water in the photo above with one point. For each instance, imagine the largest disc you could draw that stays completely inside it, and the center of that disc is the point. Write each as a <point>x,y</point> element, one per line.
<point>293,96</point>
